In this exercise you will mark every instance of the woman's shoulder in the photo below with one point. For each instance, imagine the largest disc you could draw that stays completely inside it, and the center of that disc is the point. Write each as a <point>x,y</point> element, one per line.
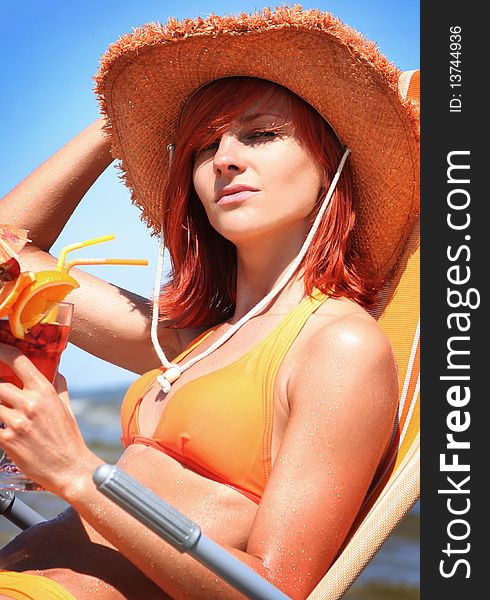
<point>344,373</point>
<point>345,324</point>
<point>343,341</point>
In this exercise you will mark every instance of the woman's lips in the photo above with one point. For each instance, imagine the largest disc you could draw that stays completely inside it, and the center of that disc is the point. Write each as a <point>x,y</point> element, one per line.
<point>236,197</point>
<point>235,194</point>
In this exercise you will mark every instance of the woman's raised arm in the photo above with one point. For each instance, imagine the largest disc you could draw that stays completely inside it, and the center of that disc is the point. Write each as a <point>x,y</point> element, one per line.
<point>109,322</point>
<point>45,200</point>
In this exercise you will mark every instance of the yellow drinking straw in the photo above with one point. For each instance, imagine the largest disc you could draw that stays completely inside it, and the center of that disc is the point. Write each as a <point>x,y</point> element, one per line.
<point>62,265</point>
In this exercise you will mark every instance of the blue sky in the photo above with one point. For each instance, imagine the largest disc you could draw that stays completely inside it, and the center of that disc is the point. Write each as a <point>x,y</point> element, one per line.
<point>49,52</point>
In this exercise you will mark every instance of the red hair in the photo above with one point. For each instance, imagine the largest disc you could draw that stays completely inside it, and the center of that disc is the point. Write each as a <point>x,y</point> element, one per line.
<point>201,290</point>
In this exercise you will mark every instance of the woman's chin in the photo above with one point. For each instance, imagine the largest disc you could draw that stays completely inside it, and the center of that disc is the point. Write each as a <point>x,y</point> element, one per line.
<point>238,231</point>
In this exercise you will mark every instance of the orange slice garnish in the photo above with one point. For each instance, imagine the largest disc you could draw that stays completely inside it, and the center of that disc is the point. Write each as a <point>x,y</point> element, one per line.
<point>36,301</point>
<point>11,290</point>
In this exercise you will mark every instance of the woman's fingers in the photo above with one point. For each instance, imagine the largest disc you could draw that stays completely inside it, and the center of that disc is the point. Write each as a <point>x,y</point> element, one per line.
<point>21,366</point>
<point>14,424</point>
<point>10,395</point>
<point>62,391</point>
<point>60,384</point>
<point>37,393</point>
<point>41,436</point>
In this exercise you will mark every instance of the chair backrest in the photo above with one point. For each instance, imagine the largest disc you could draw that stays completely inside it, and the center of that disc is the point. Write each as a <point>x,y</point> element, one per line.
<point>397,485</point>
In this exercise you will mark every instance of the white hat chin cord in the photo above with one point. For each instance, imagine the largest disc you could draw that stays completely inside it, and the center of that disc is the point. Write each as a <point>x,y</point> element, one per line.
<point>174,371</point>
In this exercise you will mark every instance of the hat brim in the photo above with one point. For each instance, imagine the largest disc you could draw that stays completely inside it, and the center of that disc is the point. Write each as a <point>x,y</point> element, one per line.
<point>146,77</point>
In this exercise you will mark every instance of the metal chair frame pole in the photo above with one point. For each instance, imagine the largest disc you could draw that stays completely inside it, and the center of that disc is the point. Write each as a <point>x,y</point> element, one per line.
<point>182,533</point>
<point>17,512</point>
<point>171,525</point>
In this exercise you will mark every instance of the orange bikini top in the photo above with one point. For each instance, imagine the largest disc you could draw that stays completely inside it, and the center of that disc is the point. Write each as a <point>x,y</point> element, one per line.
<point>220,424</point>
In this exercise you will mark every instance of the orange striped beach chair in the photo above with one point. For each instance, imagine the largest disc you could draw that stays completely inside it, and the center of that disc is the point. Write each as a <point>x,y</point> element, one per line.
<point>396,488</point>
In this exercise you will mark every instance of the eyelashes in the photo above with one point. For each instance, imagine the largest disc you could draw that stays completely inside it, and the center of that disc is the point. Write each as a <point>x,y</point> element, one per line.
<point>255,136</point>
<point>264,134</point>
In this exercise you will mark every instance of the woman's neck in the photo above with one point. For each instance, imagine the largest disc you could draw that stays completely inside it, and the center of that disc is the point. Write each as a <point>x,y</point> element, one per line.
<point>260,267</point>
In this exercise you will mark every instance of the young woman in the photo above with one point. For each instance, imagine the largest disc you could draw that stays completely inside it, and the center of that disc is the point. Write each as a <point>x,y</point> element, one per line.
<point>277,396</point>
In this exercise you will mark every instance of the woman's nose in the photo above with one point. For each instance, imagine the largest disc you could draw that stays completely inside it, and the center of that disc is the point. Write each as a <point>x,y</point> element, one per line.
<point>229,156</point>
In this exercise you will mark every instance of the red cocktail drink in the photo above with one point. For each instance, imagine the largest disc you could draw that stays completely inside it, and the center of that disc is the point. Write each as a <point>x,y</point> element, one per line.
<point>38,321</point>
<point>43,345</point>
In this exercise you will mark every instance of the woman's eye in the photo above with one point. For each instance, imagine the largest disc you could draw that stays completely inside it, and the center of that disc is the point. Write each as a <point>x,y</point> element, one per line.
<point>209,148</point>
<point>263,135</point>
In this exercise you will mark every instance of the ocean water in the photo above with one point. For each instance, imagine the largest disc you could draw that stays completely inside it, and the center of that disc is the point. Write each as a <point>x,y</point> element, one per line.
<point>393,574</point>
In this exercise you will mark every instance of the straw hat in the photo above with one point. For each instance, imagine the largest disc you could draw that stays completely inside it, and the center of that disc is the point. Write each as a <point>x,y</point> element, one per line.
<point>146,77</point>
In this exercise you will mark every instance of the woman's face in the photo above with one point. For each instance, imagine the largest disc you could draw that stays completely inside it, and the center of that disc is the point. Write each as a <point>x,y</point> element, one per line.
<point>256,179</point>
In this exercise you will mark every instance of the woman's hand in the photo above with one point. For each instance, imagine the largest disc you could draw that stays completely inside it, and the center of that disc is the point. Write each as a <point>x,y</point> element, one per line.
<point>41,435</point>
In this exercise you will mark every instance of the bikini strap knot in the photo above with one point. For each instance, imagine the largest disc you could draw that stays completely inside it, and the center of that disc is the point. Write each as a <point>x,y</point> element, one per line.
<point>171,374</point>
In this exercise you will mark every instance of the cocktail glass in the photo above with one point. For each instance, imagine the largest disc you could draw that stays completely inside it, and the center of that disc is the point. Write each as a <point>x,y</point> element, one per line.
<point>43,344</point>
